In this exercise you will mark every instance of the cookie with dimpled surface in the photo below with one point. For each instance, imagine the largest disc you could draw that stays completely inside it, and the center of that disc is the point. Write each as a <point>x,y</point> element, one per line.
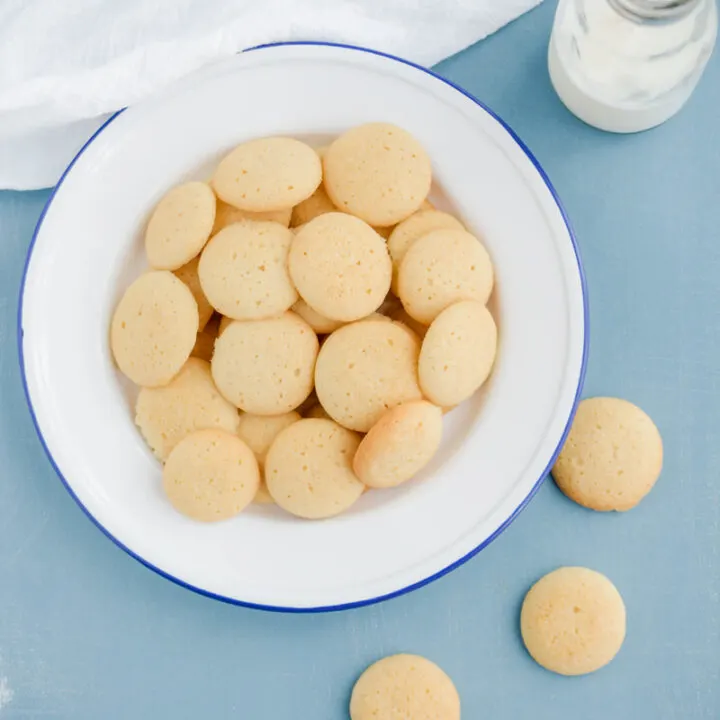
<point>441,268</point>
<point>180,226</point>
<point>457,354</point>
<point>612,457</point>
<point>265,367</point>
<point>340,266</point>
<point>308,469</point>
<point>211,475</point>
<point>267,174</point>
<point>399,445</point>
<point>573,621</point>
<point>404,686</point>
<point>365,368</point>
<point>243,271</point>
<point>153,329</point>
<point>378,172</point>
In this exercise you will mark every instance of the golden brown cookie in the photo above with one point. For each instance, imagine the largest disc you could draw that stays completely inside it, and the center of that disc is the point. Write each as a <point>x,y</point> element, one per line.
<point>340,266</point>
<point>265,367</point>
<point>308,469</point>
<point>378,172</point>
<point>243,271</point>
<point>440,269</point>
<point>399,445</point>
<point>612,457</point>
<point>458,352</point>
<point>180,226</point>
<point>573,621</point>
<point>154,328</point>
<point>211,475</point>
<point>365,368</point>
<point>406,687</point>
<point>268,174</point>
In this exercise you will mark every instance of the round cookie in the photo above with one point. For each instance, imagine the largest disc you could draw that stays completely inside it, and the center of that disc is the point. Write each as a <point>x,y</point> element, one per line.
<point>573,621</point>
<point>409,230</point>
<point>211,475</point>
<point>378,172</point>
<point>154,328</point>
<point>243,271</point>
<point>189,402</point>
<point>317,204</point>
<point>441,268</point>
<point>340,266</point>
<point>404,686</point>
<point>365,368</point>
<point>258,433</point>
<point>227,215</point>
<point>268,174</point>
<point>458,352</point>
<point>188,273</point>
<point>265,367</point>
<point>399,445</point>
<point>612,457</point>
<point>319,323</point>
<point>180,226</point>
<point>308,469</point>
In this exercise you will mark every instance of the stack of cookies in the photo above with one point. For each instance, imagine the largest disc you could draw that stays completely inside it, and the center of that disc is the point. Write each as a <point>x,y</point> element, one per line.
<point>307,319</point>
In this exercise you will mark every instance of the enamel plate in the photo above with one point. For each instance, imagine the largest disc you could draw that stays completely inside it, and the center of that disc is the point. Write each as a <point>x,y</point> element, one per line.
<point>497,447</point>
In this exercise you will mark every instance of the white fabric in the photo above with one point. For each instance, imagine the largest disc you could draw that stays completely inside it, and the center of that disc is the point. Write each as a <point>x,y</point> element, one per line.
<point>66,64</point>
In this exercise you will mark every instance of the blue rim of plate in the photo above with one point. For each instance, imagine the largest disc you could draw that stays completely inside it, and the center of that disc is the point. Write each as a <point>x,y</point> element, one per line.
<point>434,576</point>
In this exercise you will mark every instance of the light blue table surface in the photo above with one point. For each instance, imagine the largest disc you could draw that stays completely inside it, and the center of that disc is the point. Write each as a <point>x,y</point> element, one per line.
<point>88,633</point>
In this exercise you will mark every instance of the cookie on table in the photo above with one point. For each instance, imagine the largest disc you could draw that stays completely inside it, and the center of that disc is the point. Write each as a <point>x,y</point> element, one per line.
<point>258,433</point>
<point>188,273</point>
<point>243,271</point>
<point>399,445</point>
<point>153,329</point>
<point>227,215</point>
<point>180,226</point>
<point>265,367</point>
<point>189,402</point>
<point>408,231</point>
<point>317,204</point>
<point>365,368</point>
<point>404,686</point>
<point>308,469</point>
<point>378,172</point>
<point>319,323</point>
<point>340,266</point>
<point>458,352</point>
<point>573,621</point>
<point>211,475</point>
<point>268,174</point>
<point>441,268</point>
<point>612,457</point>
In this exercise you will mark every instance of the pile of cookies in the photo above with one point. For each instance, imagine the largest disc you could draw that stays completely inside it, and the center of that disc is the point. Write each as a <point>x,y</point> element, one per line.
<point>307,319</point>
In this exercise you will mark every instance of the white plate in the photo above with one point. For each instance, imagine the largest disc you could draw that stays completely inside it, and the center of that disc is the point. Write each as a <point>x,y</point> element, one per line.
<point>497,447</point>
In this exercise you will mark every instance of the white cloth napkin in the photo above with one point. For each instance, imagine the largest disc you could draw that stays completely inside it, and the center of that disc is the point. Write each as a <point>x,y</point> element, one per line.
<point>66,64</point>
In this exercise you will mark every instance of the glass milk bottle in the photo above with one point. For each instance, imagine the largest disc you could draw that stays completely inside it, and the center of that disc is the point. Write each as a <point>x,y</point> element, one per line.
<point>629,65</point>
